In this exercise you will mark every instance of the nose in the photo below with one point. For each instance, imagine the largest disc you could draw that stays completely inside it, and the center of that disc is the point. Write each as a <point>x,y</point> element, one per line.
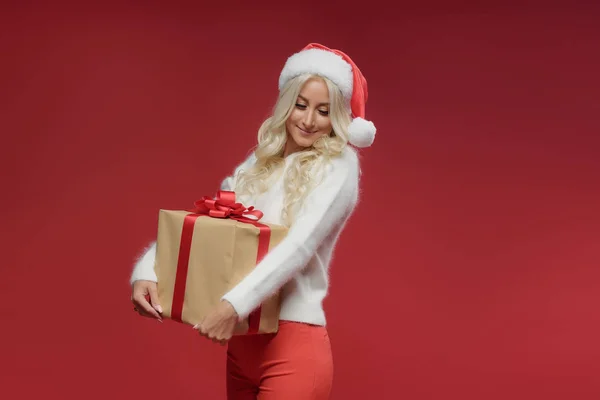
<point>309,119</point>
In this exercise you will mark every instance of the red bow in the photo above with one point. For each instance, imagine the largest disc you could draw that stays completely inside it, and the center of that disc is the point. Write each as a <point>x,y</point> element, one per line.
<point>224,206</point>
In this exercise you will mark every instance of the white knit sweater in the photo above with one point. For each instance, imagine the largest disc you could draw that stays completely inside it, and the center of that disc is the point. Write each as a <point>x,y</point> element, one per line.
<point>299,264</point>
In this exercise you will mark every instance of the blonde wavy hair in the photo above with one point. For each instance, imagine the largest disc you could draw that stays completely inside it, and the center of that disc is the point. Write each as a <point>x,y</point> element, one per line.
<point>272,136</point>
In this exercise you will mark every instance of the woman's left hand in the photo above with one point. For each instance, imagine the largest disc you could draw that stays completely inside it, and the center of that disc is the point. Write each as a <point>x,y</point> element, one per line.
<point>219,324</point>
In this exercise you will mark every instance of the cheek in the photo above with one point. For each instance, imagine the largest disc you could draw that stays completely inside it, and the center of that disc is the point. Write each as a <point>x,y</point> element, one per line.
<point>289,123</point>
<point>294,117</point>
<point>325,125</point>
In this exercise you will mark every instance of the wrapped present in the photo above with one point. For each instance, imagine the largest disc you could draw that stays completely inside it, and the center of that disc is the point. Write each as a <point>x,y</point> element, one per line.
<point>203,253</point>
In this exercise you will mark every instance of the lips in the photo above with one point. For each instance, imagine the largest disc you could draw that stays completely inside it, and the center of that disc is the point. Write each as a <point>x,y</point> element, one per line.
<point>305,132</point>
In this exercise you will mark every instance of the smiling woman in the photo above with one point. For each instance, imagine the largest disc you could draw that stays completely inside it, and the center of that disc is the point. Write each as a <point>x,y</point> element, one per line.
<point>309,120</point>
<point>302,174</point>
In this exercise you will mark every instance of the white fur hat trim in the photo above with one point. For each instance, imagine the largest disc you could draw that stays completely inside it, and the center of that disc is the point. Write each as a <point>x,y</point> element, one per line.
<point>319,62</point>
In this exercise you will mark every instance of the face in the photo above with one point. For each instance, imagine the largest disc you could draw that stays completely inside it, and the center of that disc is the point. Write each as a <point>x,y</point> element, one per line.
<point>309,119</point>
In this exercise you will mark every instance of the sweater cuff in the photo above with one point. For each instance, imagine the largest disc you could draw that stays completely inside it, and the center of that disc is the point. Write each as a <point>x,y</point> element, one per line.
<point>144,266</point>
<point>239,305</point>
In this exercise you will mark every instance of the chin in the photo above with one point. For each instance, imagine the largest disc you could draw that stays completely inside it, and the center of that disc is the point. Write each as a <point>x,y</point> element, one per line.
<point>304,142</point>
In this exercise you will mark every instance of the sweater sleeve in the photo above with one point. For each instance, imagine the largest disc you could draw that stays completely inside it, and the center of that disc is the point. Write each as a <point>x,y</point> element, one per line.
<point>144,265</point>
<point>327,206</point>
<point>143,268</point>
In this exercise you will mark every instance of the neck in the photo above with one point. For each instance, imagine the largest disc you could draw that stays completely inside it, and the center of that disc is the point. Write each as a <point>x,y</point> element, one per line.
<point>290,148</point>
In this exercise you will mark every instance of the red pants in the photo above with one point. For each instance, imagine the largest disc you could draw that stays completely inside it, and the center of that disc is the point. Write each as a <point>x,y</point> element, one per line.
<point>293,364</point>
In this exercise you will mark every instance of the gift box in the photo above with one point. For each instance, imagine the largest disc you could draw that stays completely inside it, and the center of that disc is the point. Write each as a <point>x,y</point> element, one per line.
<point>203,253</point>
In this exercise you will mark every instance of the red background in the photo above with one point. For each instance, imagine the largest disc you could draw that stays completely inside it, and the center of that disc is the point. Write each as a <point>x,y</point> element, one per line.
<point>469,271</point>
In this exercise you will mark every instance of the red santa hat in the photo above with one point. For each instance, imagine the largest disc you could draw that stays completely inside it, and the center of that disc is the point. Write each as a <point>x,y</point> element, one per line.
<point>341,70</point>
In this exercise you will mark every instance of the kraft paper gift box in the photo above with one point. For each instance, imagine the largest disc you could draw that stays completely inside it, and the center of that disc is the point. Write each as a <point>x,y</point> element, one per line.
<point>203,253</point>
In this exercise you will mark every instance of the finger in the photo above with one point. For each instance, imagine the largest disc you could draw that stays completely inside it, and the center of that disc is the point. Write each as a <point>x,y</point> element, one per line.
<point>197,328</point>
<point>136,307</point>
<point>144,306</point>
<point>154,299</point>
<point>142,313</point>
<point>205,336</point>
<point>202,327</point>
<point>137,304</point>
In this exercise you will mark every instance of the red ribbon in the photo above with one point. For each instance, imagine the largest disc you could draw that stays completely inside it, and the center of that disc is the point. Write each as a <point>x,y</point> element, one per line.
<point>223,206</point>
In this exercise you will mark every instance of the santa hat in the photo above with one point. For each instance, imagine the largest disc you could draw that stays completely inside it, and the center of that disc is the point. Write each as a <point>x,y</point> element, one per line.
<point>341,70</point>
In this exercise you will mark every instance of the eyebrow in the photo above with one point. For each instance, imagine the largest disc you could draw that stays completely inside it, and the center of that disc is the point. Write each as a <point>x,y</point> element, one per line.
<point>318,105</point>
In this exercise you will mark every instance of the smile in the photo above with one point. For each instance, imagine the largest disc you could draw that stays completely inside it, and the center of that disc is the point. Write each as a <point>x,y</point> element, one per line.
<point>305,132</point>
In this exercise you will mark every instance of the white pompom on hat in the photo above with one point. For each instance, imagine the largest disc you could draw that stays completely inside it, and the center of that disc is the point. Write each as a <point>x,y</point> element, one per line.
<point>341,70</point>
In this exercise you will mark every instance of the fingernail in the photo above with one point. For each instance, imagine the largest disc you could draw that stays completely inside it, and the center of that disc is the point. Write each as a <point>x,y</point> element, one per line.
<point>195,326</point>
<point>159,308</point>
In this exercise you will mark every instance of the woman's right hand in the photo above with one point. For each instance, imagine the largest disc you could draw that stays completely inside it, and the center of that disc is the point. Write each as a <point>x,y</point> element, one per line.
<point>140,292</point>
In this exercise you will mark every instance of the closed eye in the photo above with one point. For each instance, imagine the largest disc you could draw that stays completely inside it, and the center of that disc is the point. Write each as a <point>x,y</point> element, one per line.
<point>303,107</point>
